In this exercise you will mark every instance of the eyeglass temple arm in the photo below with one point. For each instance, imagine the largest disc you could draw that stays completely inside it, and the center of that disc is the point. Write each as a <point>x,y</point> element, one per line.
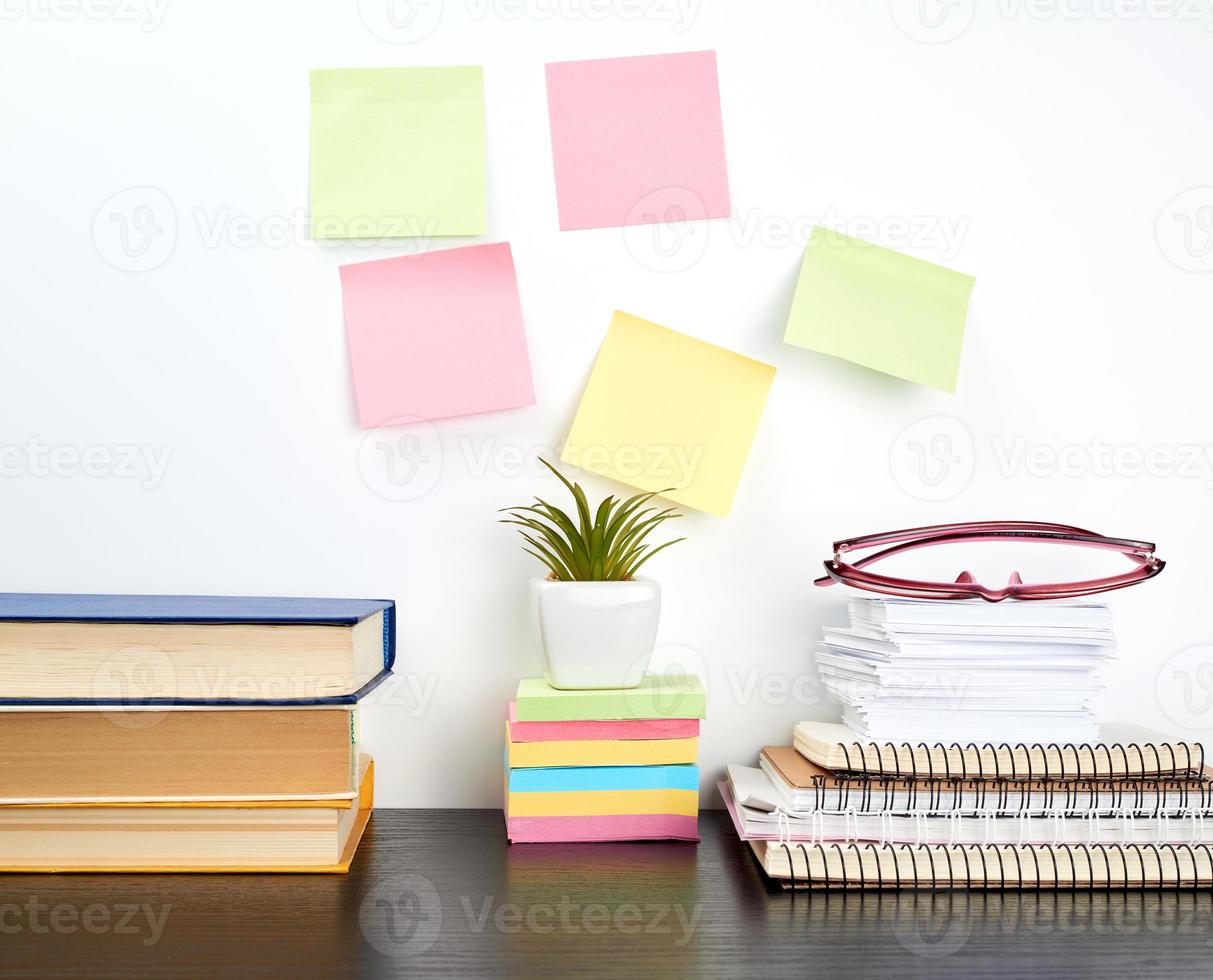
<point>935,530</point>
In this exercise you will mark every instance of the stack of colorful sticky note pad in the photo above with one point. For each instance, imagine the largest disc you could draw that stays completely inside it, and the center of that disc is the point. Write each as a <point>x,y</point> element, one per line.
<point>604,765</point>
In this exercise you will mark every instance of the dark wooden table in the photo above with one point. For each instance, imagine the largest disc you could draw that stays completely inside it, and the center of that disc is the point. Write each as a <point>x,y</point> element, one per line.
<point>439,893</point>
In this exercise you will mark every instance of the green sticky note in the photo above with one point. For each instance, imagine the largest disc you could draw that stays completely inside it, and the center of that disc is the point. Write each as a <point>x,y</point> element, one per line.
<point>880,308</point>
<point>658,696</point>
<point>397,152</point>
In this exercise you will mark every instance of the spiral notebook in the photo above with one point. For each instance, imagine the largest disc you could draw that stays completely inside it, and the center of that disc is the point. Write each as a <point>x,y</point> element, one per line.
<point>1122,751</point>
<point>794,783</point>
<point>1146,826</point>
<point>869,866</point>
<point>1175,862</point>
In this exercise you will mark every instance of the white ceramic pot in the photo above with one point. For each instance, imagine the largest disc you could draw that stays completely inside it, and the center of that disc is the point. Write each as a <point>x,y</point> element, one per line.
<point>595,635</point>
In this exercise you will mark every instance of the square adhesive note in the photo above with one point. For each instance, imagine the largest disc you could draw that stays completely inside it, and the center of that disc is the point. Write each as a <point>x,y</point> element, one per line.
<point>397,152</point>
<point>880,308</point>
<point>436,335</point>
<point>637,140</point>
<point>662,409</point>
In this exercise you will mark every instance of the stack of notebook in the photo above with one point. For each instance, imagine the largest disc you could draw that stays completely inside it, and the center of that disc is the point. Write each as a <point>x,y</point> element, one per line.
<point>947,806</point>
<point>604,765</point>
<point>185,733</point>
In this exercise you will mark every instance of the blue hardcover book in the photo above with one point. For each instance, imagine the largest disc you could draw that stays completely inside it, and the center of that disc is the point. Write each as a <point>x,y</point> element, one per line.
<point>192,650</point>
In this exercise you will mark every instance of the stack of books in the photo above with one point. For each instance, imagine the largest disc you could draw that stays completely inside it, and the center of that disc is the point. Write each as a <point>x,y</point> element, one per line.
<point>604,765</point>
<point>185,733</point>
<point>987,789</point>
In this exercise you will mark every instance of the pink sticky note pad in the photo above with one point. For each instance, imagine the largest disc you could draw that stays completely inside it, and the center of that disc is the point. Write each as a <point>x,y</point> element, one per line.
<point>637,140</point>
<point>436,335</point>
<point>624,827</point>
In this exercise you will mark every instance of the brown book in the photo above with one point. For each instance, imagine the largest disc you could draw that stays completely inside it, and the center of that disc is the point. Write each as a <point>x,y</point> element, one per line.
<point>281,835</point>
<point>138,754</point>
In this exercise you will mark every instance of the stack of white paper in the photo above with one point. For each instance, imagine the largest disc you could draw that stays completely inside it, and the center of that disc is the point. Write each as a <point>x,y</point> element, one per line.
<point>910,670</point>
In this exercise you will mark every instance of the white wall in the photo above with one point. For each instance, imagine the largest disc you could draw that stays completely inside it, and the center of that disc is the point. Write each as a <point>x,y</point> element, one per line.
<point>1052,139</point>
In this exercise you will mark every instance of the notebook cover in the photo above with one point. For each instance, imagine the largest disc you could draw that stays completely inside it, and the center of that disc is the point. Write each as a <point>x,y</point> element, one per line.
<point>259,610</point>
<point>65,607</point>
<point>658,696</point>
<point>578,731</point>
<point>1117,743</point>
<point>660,826</point>
<point>799,772</point>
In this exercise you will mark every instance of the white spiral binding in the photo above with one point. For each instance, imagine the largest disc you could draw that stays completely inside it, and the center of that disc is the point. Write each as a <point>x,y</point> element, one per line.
<point>851,825</point>
<point>783,825</point>
<point>1092,820</point>
<point>988,819</point>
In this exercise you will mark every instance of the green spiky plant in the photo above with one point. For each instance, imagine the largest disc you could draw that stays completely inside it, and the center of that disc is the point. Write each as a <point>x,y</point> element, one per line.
<point>607,545</point>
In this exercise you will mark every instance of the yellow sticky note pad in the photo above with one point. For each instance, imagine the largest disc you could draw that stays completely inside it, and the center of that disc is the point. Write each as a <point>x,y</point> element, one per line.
<point>397,152</point>
<point>666,410</point>
<point>604,803</point>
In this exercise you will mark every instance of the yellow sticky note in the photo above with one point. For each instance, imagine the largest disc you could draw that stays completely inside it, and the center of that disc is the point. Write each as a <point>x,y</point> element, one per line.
<point>664,410</point>
<point>879,308</point>
<point>397,152</point>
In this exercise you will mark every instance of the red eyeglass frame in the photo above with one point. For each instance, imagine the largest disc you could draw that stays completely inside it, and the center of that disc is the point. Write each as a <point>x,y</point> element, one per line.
<point>1140,553</point>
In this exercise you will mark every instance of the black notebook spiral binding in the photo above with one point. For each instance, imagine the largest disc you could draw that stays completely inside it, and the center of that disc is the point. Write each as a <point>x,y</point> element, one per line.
<point>1122,751</point>
<point>815,788</point>
<point>1022,761</point>
<point>863,866</point>
<point>1068,797</point>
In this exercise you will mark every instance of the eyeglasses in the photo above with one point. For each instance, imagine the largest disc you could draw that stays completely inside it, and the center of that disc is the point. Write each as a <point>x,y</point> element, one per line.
<point>1139,553</point>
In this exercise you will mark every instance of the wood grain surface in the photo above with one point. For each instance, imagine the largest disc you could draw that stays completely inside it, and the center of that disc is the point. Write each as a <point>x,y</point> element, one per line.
<point>440,893</point>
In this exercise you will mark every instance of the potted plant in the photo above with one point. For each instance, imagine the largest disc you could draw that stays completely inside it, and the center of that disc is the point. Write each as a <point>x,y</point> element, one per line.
<point>596,619</point>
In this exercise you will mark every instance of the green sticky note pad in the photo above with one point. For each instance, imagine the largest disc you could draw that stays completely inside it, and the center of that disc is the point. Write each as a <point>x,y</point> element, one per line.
<point>658,696</point>
<point>880,308</point>
<point>397,152</point>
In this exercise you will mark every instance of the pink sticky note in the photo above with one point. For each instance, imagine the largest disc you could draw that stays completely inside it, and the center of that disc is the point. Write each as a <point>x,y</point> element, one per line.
<point>637,140</point>
<point>628,730</point>
<point>436,335</point>
<point>656,826</point>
